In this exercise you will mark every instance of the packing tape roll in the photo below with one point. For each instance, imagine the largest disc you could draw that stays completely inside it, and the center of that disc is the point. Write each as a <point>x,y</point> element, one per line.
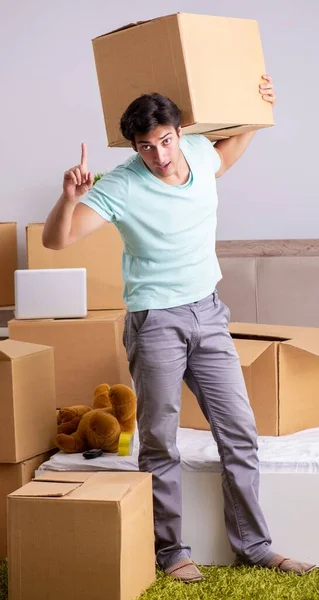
<point>126,442</point>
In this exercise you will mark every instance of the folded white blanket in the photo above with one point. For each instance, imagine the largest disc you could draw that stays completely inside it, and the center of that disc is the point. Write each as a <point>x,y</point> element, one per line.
<point>294,453</point>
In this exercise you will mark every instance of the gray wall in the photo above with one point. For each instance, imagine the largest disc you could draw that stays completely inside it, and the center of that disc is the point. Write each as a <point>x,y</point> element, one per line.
<point>49,103</point>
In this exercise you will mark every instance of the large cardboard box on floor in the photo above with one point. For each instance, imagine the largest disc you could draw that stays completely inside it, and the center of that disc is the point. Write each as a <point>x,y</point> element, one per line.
<point>8,262</point>
<point>13,477</point>
<point>281,370</point>
<point>100,253</point>
<point>211,67</point>
<point>87,352</point>
<point>28,404</point>
<point>81,535</point>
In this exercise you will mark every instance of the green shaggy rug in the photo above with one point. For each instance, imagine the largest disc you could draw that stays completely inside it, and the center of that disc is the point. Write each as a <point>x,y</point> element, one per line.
<point>224,583</point>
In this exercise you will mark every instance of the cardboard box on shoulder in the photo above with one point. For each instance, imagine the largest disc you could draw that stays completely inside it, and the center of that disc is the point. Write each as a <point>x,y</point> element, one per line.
<point>8,262</point>
<point>197,61</point>
<point>100,253</point>
<point>27,392</point>
<point>280,365</point>
<point>13,477</point>
<point>94,529</point>
<point>87,352</point>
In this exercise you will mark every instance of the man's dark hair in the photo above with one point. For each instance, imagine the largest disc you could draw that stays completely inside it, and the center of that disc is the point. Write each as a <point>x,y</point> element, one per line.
<point>145,113</point>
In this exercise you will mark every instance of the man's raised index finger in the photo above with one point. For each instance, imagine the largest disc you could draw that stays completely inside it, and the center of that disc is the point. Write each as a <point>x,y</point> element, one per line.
<point>83,155</point>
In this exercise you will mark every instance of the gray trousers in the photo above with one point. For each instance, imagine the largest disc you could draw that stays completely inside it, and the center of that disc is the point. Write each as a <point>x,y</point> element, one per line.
<point>192,342</point>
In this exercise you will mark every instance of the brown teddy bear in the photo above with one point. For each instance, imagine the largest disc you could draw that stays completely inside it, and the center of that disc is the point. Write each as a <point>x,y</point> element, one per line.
<point>83,428</point>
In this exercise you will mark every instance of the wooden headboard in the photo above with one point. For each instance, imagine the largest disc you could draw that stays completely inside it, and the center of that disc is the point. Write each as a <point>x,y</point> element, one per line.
<point>243,248</point>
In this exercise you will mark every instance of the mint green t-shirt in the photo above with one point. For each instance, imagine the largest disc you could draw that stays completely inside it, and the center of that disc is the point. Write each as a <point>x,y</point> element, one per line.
<point>168,231</point>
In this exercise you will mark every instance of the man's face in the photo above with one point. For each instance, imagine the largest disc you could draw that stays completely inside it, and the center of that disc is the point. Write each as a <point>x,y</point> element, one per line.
<point>159,149</point>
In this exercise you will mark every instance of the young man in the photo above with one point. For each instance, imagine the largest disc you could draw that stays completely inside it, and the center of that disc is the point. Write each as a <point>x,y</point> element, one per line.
<point>163,201</point>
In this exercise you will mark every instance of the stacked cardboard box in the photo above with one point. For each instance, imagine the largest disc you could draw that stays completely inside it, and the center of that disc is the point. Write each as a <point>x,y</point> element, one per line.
<point>8,262</point>
<point>100,253</point>
<point>27,417</point>
<point>88,352</point>
<point>280,365</point>
<point>6,314</point>
<point>12,477</point>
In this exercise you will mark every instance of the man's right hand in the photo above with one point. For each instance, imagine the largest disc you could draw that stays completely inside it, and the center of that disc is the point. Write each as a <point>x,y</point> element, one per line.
<point>77,181</point>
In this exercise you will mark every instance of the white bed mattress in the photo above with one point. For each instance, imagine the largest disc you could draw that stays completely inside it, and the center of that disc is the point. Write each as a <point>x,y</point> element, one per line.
<point>294,453</point>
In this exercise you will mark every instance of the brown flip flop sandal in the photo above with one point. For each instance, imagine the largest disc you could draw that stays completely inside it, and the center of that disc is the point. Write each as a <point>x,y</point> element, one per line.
<point>286,565</point>
<point>289,565</point>
<point>185,570</point>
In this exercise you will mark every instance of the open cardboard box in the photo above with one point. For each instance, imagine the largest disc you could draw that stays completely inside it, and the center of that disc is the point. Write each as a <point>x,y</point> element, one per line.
<point>81,535</point>
<point>281,369</point>
<point>209,66</point>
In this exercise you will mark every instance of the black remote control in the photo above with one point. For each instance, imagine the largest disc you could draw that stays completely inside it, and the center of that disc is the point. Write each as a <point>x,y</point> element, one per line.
<point>94,453</point>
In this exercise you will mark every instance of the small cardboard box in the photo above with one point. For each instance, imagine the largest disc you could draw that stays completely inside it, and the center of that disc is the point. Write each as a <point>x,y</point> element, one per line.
<point>100,253</point>
<point>8,262</point>
<point>87,352</point>
<point>13,477</point>
<point>281,370</point>
<point>81,535</point>
<point>27,393</point>
<point>211,67</point>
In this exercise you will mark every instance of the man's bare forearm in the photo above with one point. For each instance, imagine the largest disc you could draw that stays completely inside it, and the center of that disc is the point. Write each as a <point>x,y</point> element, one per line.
<point>57,227</point>
<point>234,147</point>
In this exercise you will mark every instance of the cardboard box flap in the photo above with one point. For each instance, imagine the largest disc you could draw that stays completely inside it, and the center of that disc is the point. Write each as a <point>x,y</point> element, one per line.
<point>46,489</point>
<point>132,478</point>
<point>93,315</point>
<point>278,332</point>
<point>64,476</point>
<point>10,349</point>
<point>91,486</point>
<point>104,315</point>
<point>26,321</point>
<point>308,343</point>
<point>258,337</point>
<point>262,332</point>
<point>250,350</point>
<point>107,492</point>
<point>130,25</point>
<point>176,14</point>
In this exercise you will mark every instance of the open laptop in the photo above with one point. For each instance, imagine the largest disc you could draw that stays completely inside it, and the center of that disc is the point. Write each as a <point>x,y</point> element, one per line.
<point>50,293</point>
